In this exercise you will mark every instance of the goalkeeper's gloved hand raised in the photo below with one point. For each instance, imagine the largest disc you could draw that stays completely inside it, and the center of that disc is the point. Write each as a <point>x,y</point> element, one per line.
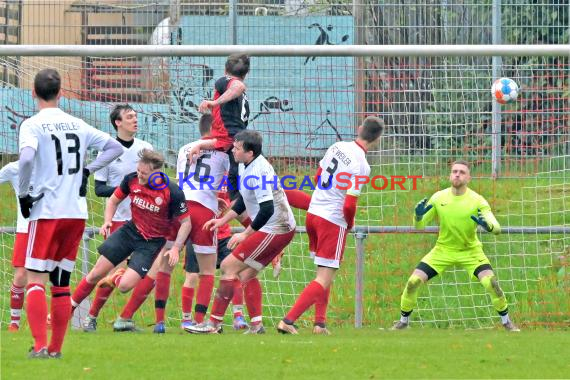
<point>421,209</point>
<point>480,220</point>
<point>27,202</point>
<point>84,182</point>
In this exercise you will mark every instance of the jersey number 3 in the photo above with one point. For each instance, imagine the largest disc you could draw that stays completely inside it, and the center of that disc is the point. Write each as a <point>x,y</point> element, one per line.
<point>73,149</point>
<point>331,170</point>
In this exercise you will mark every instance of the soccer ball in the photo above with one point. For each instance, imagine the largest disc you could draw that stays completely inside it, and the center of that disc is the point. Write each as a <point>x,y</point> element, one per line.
<point>505,90</point>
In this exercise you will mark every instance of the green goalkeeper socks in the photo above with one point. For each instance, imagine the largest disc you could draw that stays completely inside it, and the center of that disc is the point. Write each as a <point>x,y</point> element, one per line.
<point>410,294</point>
<point>498,298</point>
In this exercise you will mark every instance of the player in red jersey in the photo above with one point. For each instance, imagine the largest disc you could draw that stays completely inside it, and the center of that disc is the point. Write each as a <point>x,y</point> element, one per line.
<point>230,112</point>
<point>53,146</point>
<point>155,203</point>
<point>124,119</point>
<point>330,216</point>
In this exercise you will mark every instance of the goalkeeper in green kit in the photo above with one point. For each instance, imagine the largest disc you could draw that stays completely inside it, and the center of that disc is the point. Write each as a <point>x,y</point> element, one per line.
<point>459,210</point>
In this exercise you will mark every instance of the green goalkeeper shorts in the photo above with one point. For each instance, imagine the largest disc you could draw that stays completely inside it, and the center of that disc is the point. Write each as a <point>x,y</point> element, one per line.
<point>441,259</point>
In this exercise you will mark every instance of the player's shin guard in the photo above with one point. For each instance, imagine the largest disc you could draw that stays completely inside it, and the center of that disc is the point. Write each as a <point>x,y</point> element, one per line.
<point>498,298</point>
<point>204,293</point>
<point>161,295</point>
<point>224,294</point>
<point>101,297</point>
<point>36,310</point>
<point>321,308</point>
<point>16,303</point>
<point>410,294</point>
<point>81,292</point>
<point>138,297</point>
<point>253,295</point>
<point>60,314</point>
<point>187,298</point>
<point>307,298</point>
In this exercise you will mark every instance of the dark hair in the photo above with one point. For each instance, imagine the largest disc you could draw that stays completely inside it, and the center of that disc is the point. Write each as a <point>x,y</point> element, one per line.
<point>461,162</point>
<point>237,65</point>
<point>372,128</point>
<point>47,84</point>
<point>252,141</point>
<point>116,113</point>
<point>205,124</point>
<point>151,157</point>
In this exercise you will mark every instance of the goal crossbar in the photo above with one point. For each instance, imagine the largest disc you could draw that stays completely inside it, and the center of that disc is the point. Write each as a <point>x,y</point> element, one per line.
<point>285,50</point>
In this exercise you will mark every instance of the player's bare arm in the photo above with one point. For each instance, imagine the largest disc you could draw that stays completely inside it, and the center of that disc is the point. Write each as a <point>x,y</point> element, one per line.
<point>183,232</point>
<point>110,209</point>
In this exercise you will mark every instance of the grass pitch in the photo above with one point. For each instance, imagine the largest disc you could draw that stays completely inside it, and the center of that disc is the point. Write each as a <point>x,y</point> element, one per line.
<point>347,354</point>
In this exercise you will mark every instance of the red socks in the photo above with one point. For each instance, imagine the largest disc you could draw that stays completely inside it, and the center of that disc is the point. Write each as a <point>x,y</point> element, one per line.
<point>321,307</point>
<point>224,294</point>
<point>81,292</point>
<point>187,298</point>
<point>237,300</point>
<point>16,303</point>
<point>60,314</point>
<point>205,287</point>
<point>310,295</point>
<point>36,310</point>
<point>101,297</point>
<point>252,294</point>
<point>138,297</point>
<point>161,295</point>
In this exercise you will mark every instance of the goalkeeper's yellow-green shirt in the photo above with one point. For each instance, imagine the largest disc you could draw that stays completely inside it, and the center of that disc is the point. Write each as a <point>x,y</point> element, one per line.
<point>457,231</point>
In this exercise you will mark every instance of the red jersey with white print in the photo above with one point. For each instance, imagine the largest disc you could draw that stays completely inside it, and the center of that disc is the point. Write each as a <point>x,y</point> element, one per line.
<point>152,210</point>
<point>343,161</point>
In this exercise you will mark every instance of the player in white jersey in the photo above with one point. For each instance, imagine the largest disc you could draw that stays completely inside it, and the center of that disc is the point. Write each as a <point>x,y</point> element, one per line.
<point>53,145</point>
<point>9,173</point>
<point>272,228</point>
<point>201,180</point>
<point>340,176</point>
<point>124,119</point>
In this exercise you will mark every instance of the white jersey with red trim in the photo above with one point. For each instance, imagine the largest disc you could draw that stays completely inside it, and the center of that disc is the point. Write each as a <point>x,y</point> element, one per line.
<point>61,142</point>
<point>259,183</point>
<point>9,173</point>
<point>114,173</point>
<point>342,162</point>
<point>201,179</point>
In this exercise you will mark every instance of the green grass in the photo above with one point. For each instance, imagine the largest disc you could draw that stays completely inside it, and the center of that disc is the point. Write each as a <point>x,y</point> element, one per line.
<point>347,354</point>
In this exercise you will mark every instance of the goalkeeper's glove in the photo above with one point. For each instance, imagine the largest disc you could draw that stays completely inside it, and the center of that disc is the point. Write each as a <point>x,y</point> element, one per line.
<point>84,182</point>
<point>480,220</point>
<point>27,202</point>
<point>421,209</point>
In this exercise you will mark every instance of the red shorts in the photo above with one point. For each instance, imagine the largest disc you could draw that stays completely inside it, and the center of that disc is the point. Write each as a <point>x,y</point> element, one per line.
<point>20,245</point>
<point>202,241</point>
<point>260,248</point>
<point>326,241</point>
<point>53,243</point>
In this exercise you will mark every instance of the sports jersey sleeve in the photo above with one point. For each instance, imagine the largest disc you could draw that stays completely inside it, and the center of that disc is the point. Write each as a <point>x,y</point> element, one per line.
<point>103,173</point>
<point>97,138</point>
<point>177,205</point>
<point>263,191</point>
<point>124,188</point>
<point>28,137</point>
<point>355,187</point>
<point>427,218</point>
<point>8,172</point>
<point>488,215</point>
<point>221,85</point>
